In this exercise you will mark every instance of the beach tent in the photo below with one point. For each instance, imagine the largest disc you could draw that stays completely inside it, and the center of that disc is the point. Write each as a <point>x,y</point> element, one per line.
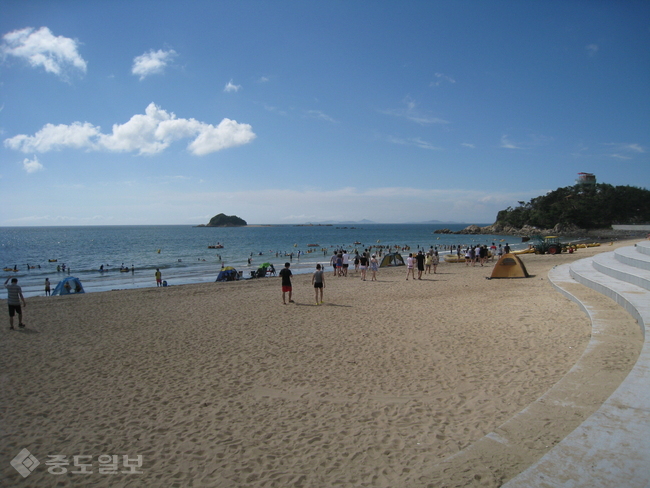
<point>392,259</point>
<point>509,266</point>
<point>227,274</point>
<point>67,286</point>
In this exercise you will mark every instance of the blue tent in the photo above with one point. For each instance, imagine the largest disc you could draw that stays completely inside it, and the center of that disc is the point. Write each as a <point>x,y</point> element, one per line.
<point>73,286</point>
<point>227,274</point>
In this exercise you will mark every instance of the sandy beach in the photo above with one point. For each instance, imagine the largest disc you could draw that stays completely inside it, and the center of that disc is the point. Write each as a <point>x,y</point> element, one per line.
<point>221,385</point>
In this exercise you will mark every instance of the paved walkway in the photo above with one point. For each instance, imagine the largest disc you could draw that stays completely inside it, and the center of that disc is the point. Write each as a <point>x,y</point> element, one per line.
<point>612,447</point>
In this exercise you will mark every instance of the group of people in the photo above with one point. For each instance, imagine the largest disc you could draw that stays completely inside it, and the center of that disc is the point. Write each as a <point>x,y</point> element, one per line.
<point>481,253</point>
<point>340,262</point>
<point>423,262</point>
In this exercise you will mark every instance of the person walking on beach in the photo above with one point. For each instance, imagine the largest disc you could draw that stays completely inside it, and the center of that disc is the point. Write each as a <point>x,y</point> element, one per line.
<point>47,287</point>
<point>14,297</point>
<point>409,266</point>
<point>158,277</point>
<point>374,267</point>
<point>285,274</point>
<point>318,281</point>
<point>363,265</point>
<point>420,261</point>
<point>436,261</point>
<point>333,261</point>
<point>428,261</point>
<point>483,254</point>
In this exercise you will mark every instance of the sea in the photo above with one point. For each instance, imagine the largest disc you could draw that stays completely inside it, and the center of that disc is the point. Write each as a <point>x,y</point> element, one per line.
<point>186,254</point>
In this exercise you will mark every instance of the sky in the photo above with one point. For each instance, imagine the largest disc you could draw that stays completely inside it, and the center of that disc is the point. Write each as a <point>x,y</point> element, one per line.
<point>283,112</point>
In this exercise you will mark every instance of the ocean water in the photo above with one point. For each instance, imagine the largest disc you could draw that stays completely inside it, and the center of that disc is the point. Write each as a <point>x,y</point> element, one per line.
<point>182,253</point>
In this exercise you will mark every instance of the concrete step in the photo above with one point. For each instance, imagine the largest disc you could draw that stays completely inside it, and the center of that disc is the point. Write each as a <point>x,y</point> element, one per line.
<point>612,447</point>
<point>643,247</point>
<point>633,256</point>
<point>610,265</point>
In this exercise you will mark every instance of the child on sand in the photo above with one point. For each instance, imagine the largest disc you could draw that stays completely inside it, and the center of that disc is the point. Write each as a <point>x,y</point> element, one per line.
<point>318,280</point>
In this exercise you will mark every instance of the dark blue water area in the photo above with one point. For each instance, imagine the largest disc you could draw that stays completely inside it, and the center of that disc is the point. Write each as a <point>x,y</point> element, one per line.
<point>183,256</point>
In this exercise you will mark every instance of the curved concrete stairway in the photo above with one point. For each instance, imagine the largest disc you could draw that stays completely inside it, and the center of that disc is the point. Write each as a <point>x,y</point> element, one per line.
<point>612,447</point>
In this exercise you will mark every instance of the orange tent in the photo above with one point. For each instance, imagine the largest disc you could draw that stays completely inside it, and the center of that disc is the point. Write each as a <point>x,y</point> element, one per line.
<point>509,266</point>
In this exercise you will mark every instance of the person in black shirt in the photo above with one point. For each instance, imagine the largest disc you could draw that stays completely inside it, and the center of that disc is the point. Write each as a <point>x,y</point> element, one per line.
<point>420,260</point>
<point>363,265</point>
<point>285,274</point>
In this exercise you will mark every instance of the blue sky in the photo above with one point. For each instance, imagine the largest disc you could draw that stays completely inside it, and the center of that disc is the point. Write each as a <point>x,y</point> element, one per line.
<point>169,112</point>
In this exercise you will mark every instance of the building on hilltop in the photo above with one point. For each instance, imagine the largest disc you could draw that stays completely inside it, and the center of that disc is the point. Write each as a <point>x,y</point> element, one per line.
<point>586,179</point>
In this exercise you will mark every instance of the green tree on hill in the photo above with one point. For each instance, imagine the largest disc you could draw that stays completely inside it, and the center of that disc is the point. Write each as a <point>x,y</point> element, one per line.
<point>588,207</point>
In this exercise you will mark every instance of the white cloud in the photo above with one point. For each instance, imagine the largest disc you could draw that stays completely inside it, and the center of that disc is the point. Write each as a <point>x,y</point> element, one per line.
<point>320,115</point>
<point>152,63</point>
<point>263,79</point>
<point>227,134</point>
<point>467,144</point>
<point>526,140</point>
<point>54,137</point>
<point>230,87</point>
<point>442,78</point>
<point>625,150</point>
<point>410,112</point>
<point>32,165</point>
<point>592,50</point>
<point>412,141</point>
<point>148,133</point>
<point>58,55</point>
<point>507,144</point>
<point>634,148</point>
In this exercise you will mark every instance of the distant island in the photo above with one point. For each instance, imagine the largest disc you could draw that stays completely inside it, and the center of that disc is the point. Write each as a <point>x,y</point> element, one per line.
<point>223,220</point>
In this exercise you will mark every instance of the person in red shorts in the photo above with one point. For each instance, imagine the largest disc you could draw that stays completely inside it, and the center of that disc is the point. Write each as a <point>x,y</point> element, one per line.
<point>285,274</point>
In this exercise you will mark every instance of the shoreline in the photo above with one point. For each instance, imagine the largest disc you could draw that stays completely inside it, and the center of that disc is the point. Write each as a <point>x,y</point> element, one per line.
<point>202,272</point>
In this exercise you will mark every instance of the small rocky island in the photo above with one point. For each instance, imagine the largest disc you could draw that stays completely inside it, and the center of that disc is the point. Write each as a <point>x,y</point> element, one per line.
<point>223,220</point>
